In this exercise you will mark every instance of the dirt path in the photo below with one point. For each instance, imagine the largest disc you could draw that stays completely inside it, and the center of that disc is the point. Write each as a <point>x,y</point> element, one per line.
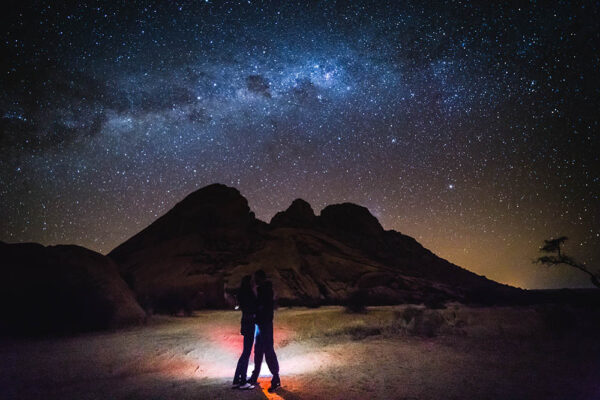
<point>494,357</point>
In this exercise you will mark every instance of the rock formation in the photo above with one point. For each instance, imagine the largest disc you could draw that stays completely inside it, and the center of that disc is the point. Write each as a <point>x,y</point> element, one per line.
<point>298,215</point>
<point>208,241</point>
<point>181,260</point>
<point>62,289</point>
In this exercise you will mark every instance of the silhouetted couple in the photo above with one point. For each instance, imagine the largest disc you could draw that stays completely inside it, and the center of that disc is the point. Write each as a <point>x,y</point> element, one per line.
<point>257,319</point>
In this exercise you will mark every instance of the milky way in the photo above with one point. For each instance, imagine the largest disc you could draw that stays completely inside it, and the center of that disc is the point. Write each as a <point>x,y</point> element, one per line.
<point>470,126</point>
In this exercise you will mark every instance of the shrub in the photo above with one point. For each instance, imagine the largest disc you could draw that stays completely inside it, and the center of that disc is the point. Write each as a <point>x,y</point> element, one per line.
<point>421,322</point>
<point>357,331</point>
<point>175,301</point>
<point>311,303</point>
<point>435,303</point>
<point>356,302</point>
<point>360,332</point>
<point>408,314</point>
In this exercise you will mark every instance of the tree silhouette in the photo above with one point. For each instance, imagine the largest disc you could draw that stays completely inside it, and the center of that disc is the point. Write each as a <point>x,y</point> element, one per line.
<point>552,246</point>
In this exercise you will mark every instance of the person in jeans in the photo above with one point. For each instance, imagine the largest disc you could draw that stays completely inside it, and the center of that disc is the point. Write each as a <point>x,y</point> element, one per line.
<point>247,303</point>
<point>264,332</point>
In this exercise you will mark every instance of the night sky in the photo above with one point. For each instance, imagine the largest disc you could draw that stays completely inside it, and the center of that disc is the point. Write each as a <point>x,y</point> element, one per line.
<point>473,127</point>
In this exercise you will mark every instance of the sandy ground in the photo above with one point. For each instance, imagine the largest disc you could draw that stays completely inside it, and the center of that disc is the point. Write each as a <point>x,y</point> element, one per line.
<point>325,353</point>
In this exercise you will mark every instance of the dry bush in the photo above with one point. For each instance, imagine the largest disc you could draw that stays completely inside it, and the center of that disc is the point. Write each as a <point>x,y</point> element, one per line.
<point>358,331</point>
<point>357,302</point>
<point>420,322</point>
<point>435,303</point>
<point>175,300</point>
<point>387,322</point>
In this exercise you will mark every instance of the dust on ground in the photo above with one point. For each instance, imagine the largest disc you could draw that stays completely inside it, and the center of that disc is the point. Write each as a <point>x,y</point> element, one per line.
<point>401,352</point>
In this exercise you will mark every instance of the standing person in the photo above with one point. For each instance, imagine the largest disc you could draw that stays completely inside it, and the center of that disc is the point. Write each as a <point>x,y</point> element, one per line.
<point>264,334</point>
<point>247,303</point>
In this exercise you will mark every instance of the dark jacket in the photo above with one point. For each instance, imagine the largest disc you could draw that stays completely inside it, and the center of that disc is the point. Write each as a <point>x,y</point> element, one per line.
<point>247,303</point>
<point>265,304</point>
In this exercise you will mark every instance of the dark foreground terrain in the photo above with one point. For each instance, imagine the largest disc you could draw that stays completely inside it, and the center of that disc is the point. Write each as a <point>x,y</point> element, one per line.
<point>541,352</point>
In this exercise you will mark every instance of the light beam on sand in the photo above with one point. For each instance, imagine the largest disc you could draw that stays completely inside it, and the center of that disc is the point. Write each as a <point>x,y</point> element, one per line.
<point>215,357</point>
<point>264,386</point>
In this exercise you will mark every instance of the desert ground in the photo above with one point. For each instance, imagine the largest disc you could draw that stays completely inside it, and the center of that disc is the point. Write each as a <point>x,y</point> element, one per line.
<point>395,352</point>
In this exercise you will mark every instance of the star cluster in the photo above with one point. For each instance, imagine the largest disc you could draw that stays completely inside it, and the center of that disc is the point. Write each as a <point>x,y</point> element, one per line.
<point>469,125</point>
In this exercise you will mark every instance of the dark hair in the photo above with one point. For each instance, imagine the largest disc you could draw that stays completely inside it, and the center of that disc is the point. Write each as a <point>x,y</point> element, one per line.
<point>246,283</point>
<point>260,275</point>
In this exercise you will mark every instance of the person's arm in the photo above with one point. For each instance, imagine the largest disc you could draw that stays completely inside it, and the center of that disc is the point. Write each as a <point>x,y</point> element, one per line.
<point>269,299</point>
<point>260,299</point>
<point>252,303</point>
<point>265,300</point>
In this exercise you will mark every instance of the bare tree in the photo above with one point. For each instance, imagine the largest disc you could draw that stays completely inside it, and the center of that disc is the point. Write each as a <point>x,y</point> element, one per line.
<point>553,247</point>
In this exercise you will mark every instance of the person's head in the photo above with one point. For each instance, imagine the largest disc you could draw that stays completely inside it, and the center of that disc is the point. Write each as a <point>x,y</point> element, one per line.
<point>260,276</point>
<point>246,283</point>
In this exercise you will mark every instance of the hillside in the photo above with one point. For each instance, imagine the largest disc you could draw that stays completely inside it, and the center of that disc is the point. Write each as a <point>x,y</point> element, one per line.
<point>208,241</point>
<point>62,289</point>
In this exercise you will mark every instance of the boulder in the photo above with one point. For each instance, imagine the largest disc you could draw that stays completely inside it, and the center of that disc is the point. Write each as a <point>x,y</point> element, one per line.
<point>62,289</point>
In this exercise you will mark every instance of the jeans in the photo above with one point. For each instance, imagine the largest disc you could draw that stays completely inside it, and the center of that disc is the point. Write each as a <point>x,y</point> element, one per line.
<point>242,365</point>
<point>264,347</point>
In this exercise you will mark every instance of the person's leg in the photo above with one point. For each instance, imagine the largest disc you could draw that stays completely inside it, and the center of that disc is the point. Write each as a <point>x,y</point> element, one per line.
<point>271,357</point>
<point>236,377</point>
<point>242,366</point>
<point>269,351</point>
<point>258,355</point>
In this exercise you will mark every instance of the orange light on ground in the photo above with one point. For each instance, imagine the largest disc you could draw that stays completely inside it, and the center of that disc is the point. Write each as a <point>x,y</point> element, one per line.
<point>265,383</point>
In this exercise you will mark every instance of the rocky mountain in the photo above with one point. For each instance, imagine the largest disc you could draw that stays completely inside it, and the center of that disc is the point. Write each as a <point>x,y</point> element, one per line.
<point>62,289</point>
<point>198,251</point>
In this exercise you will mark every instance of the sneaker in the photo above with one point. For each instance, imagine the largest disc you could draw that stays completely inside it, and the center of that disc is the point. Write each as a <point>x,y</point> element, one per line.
<point>274,386</point>
<point>246,386</point>
<point>235,385</point>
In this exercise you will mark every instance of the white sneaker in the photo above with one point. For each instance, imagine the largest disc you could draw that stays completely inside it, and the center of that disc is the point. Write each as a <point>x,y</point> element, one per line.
<point>246,386</point>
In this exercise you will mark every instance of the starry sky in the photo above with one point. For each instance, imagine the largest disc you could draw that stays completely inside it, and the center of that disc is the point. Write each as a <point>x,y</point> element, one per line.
<point>472,126</point>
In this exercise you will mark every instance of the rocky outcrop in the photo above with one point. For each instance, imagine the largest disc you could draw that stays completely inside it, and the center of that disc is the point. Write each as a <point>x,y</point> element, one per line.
<point>350,219</point>
<point>298,215</point>
<point>62,289</point>
<point>212,209</point>
<point>178,263</point>
<point>211,239</point>
<point>198,252</point>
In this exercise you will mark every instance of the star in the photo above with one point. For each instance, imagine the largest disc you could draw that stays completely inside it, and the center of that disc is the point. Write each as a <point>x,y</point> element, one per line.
<point>388,104</point>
